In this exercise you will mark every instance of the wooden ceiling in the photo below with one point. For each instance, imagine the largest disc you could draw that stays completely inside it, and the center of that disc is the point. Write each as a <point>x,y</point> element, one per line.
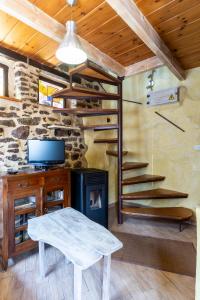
<point>176,21</point>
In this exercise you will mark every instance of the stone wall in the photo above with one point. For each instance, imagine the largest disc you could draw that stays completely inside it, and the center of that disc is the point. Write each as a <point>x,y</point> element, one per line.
<point>27,119</point>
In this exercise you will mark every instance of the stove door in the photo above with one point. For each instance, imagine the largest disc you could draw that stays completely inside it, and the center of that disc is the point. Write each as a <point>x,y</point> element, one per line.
<point>96,204</point>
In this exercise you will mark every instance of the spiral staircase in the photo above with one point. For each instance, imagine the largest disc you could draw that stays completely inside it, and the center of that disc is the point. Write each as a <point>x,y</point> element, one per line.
<point>125,201</point>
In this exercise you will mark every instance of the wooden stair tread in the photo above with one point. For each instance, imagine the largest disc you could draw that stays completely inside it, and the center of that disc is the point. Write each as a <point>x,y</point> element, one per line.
<point>85,112</point>
<point>115,153</point>
<point>109,141</point>
<point>92,72</point>
<point>100,127</point>
<point>133,165</point>
<point>84,93</point>
<point>154,194</point>
<point>142,179</point>
<point>168,213</point>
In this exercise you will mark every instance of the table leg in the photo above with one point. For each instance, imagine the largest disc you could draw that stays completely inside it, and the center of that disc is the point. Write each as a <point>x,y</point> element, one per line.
<point>67,261</point>
<point>77,282</point>
<point>106,277</point>
<point>42,259</point>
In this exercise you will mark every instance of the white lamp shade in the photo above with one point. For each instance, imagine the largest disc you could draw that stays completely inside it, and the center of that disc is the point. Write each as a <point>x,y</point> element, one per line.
<point>70,51</point>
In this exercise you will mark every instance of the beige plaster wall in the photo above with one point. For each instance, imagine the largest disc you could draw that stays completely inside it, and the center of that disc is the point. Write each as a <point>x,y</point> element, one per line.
<point>197,294</point>
<point>147,137</point>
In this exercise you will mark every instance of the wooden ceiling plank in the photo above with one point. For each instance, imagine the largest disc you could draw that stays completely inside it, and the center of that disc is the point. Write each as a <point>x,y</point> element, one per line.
<point>107,31</point>
<point>173,8</point>
<point>124,46</point>
<point>52,8</point>
<point>143,66</point>
<point>130,13</point>
<point>46,52</point>
<point>180,45</point>
<point>7,24</point>
<point>94,19</point>
<point>151,6</point>
<point>115,40</point>
<point>79,12</point>
<point>179,21</point>
<point>15,35</point>
<point>188,51</point>
<point>127,61</point>
<point>191,61</point>
<point>29,14</point>
<point>120,38</point>
<point>184,31</point>
<point>32,47</point>
<point>53,61</point>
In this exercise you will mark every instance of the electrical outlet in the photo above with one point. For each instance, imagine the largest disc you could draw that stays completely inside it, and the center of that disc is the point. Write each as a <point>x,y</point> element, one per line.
<point>108,120</point>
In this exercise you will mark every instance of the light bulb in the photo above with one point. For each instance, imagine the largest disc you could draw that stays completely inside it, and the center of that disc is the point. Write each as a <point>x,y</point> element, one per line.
<point>70,50</point>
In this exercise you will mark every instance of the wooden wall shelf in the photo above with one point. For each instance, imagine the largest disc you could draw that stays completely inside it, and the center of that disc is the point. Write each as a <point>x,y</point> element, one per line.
<point>63,127</point>
<point>99,127</point>
<point>10,99</point>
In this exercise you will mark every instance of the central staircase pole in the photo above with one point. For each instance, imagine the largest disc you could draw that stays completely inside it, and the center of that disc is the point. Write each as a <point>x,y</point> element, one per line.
<point>120,149</point>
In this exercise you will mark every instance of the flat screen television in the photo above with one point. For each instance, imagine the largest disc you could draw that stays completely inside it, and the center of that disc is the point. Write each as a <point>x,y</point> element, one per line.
<point>45,153</point>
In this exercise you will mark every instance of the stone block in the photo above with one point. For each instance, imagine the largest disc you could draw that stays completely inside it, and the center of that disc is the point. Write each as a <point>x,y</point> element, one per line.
<point>13,157</point>
<point>6,140</point>
<point>7,123</point>
<point>13,145</point>
<point>44,112</point>
<point>4,114</point>
<point>40,131</point>
<point>74,156</point>
<point>29,121</point>
<point>13,150</point>
<point>21,132</point>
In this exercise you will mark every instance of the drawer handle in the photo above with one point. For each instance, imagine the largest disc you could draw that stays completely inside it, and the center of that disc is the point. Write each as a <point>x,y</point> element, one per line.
<point>22,185</point>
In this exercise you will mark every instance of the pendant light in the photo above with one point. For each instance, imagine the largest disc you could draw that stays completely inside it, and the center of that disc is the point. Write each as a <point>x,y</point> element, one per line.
<point>70,50</point>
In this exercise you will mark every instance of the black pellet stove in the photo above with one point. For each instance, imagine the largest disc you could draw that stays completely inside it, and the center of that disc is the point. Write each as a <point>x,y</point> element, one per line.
<point>89,191</point>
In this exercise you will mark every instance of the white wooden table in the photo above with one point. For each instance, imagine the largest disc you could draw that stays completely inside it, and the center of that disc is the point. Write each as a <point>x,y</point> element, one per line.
<point>82,241</point>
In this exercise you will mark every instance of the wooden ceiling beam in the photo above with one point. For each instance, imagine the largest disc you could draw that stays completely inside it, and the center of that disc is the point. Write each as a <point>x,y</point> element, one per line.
<point>143,66</point>
<point>134,18</point>
<point>31,15</point>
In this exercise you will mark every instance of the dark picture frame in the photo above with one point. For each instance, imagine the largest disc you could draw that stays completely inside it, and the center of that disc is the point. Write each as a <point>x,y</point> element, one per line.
<point>54,84</point>
<point>5,79</point>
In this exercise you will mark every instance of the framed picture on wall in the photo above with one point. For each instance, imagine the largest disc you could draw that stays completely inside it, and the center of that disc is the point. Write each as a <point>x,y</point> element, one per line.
<point>47,88</point>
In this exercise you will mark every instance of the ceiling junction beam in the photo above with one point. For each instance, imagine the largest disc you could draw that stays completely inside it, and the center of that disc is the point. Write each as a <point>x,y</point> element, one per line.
<point>135,19</point>
<point>143,66</point>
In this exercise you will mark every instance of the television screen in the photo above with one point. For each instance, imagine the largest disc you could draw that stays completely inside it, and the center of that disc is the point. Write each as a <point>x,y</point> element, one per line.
<point>46,152</point>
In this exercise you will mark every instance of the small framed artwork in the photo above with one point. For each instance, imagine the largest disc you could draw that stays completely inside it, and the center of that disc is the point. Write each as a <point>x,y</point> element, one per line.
<point>47,88</point>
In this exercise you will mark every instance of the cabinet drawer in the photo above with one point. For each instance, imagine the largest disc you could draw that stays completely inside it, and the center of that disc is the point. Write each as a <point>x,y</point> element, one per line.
<point>24,183</point>
<point>57,180</point>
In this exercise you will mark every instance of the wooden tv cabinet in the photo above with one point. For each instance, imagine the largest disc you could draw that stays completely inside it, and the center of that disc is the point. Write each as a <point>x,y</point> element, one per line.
<point>24,196</point>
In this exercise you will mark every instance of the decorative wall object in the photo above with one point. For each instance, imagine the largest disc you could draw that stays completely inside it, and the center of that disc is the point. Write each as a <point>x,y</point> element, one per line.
<point>166,96</point>
<point>46,91</point>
